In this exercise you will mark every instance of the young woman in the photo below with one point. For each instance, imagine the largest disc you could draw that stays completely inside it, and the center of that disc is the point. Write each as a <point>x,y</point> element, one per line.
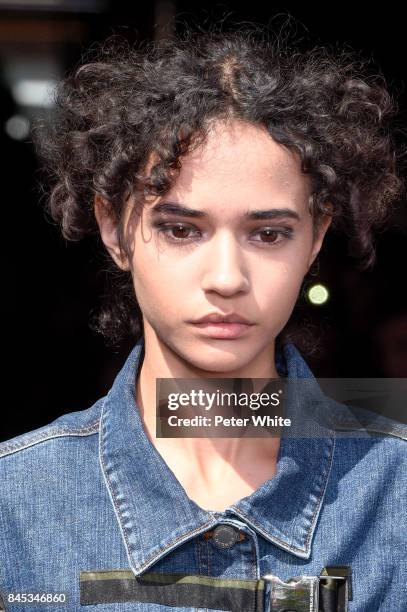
<point>211,169</point>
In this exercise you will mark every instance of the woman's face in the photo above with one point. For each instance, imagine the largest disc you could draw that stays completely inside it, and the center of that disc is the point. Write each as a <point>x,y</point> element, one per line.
<point>243,246</point>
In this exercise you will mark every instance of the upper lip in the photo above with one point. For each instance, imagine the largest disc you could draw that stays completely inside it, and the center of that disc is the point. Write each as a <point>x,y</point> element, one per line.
<point>215,317</point>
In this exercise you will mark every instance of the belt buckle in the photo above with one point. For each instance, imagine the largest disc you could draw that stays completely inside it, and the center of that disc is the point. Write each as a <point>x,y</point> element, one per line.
<point>330,592</point>
<point>335,588</point>
<point>299,594</point>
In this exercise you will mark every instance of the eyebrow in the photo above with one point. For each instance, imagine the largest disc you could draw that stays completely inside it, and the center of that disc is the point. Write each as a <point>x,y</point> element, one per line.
<point>184,211</point>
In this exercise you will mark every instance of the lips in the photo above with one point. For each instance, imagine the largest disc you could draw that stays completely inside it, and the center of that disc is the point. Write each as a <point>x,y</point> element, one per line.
<point>219,318</point>
<point>223,327</point>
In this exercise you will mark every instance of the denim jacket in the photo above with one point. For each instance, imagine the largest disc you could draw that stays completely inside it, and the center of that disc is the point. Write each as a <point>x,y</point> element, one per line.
<point>87,504</point>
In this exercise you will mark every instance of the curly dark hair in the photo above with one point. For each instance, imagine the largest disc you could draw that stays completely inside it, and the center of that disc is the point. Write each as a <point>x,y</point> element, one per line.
<point>125,102</point>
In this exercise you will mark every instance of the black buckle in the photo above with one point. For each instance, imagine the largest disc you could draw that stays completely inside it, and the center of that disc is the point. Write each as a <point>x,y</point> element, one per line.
<point>335,588</point>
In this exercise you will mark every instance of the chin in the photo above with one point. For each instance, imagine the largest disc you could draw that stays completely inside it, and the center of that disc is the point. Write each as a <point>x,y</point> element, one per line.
<point>217,360</point>
<point>213,355</point>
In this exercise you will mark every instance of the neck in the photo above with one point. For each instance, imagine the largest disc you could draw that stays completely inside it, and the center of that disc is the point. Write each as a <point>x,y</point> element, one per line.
<point>203,454</point>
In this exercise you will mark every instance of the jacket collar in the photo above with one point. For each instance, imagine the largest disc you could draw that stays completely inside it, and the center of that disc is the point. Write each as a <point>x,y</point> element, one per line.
<point>145,492</point>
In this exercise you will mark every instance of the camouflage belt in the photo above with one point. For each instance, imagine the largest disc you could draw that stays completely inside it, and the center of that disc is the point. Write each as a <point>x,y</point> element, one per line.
<point>328,592</point>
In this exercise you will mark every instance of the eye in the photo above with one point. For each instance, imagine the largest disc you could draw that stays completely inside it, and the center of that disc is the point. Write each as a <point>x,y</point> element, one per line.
<point>271,235</point>
<point>178,232</point>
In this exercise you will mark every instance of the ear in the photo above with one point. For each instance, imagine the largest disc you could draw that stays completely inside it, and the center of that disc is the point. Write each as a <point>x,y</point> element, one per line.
<point>323,225</point>
<point>108,232</point>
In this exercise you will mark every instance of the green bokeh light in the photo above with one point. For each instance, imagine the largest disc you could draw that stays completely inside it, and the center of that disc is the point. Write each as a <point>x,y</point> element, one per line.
<point>318,294</point>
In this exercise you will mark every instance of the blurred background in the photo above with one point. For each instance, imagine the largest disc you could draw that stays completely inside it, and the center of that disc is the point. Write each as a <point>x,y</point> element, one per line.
<point>52,362</point>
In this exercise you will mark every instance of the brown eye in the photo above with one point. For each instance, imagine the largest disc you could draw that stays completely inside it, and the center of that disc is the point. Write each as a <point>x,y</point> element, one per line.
<point>270,235</point>
<point>178,234</point>
<point>180,231</point>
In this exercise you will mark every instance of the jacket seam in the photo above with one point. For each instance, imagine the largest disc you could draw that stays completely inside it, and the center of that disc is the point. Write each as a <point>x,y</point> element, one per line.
<point>105,473</point>
<point>49,434</point>
<point>397,432</point>
<point>325,480</point>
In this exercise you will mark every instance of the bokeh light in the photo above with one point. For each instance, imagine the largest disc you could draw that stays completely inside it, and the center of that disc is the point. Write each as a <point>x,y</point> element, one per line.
<point>318,294</point>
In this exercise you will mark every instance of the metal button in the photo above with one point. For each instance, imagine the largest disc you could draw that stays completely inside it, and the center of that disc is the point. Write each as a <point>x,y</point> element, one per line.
<point>225,536</point>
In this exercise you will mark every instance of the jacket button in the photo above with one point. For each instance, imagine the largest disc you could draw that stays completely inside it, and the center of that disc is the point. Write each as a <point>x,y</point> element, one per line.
<point>225,536</point>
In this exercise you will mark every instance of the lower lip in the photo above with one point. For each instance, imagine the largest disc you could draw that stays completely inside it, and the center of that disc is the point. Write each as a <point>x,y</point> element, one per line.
<point>223,330</point>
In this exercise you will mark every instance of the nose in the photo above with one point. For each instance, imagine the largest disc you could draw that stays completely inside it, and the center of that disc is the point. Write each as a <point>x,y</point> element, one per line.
<point>224,266</point>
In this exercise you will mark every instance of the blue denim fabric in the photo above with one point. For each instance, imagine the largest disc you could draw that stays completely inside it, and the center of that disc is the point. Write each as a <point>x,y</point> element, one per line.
<point>90,492</point>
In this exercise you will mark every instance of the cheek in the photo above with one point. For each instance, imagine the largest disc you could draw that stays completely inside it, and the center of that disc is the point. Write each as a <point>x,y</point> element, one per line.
<point>156,282</point>
<point>277,286</point>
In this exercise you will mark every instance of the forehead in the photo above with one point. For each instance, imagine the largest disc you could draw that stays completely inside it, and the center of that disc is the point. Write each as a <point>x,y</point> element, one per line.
<point>239,165</point>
